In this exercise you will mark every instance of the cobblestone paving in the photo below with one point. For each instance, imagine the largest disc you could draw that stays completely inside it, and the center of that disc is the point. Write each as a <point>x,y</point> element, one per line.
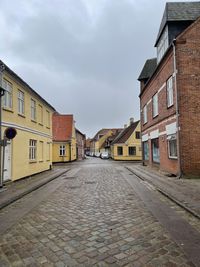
<point>95,219</point>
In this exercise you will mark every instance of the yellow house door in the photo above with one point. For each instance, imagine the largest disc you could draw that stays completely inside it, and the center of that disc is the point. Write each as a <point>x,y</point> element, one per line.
<point>7,163</point>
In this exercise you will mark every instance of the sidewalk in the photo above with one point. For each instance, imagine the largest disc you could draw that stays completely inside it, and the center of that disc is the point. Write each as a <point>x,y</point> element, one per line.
<point>185,192</point>
<point>15,190</point>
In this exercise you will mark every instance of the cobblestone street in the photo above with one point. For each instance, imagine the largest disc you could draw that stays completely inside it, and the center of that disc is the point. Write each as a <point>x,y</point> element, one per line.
<point>92,218</point>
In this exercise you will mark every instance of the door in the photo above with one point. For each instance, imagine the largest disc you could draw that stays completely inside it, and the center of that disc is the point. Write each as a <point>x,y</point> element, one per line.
<point>7,163</point>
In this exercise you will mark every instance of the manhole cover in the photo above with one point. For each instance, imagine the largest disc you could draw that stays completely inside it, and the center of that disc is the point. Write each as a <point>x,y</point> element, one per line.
<point>69,178</point>
<point>74,187</point>
<point>90,182</point>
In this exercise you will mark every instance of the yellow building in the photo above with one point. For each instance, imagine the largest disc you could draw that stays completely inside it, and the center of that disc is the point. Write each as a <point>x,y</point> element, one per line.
<point>30,151</point>
<point>127,145</point>
<point>64,138</point>
<point>97,144</point>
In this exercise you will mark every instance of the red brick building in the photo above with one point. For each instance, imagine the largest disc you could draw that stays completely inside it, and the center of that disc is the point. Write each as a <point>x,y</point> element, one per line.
<point>170,93</point>
<point>80,145</point>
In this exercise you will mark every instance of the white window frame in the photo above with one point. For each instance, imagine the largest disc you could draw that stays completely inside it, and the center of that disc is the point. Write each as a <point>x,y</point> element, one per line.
<point>40,114</point>
<point>33,109</point>
<point>21,102</point>
<point>7,98</point>
<point>170,96</point>
<point>48,119</point>
<point>155,105</point>
<point>32,150</point>
<point>171,138</point>
<point>162,44</point>
<point>62,150</point>
<point>145,114</point>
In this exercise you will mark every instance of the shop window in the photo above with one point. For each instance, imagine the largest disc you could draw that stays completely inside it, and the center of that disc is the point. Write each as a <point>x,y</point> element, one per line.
<point>155,150</point>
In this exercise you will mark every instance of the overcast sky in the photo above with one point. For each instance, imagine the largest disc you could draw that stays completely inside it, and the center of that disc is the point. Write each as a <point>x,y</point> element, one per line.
<point>82,56</point>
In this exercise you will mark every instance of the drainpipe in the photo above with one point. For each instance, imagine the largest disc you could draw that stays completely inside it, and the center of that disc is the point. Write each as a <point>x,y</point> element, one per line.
<point>177,109</point>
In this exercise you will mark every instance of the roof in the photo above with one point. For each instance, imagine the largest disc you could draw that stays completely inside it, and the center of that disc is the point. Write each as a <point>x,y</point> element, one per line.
<point>179,11</point>
<point>148,69</point>
<point>125,134</point>
<point>77,131</point>
<point>100,132</point>
<point>110,138</point>
<point>62,127</point>
<point>12,73</point>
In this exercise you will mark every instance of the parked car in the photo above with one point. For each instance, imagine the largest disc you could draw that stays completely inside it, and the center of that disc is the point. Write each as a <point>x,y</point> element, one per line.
<point>97,154</point>
<point>105,155</point>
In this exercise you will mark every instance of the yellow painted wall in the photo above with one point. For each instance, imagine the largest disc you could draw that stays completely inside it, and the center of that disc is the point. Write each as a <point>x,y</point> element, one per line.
<point>131,142</point>
<point>56,152</point>
<point>27,129</point>
<point>99,143</point>
<point>70,154</point>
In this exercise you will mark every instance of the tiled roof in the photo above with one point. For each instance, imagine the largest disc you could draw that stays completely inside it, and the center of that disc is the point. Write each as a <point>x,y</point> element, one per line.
<point>103,132</point>
<point>148,69</point>
<point>110,138</point>
<point>62,127</point>
<point>179,11</point>
<point>12,73</point>
<point>125,134</point>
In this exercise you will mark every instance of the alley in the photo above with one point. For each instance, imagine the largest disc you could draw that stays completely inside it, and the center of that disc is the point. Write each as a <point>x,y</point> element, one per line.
<point>97,214</point>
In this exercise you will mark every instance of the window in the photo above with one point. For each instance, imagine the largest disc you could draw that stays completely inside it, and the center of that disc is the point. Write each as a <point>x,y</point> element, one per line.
<point>137,135</point>
<point>155,105</point>
<point>40,114</point>
<point>33,109</point>
<point>41,151</point>
<point>172,146</point>
<point>145,114</point>
<point>20,102</point>
<point>62,150</point>
<point>155,150</point>
<point>48,119</point>
<point>7,98</point>
<point>48,152</point>
<point>146,150</point>
<point>162,45</point>
<point>32,149</point>
<point>170,99</point>
<point>132,150</point>
<point>119,150</point>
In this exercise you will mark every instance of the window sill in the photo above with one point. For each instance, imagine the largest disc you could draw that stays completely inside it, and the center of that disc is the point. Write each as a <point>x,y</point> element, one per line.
<point>155,116</point>
<point>47,127</point>
<point>34,121</point>
<point>8,109</point>
<point>145,123</point>
<point>173,158</point>
<point>41,124</point>
<point>21,115</point>
<point>32,161</point>
<point>168,107</point>
<point>41,161</point>
<point>48,160</point>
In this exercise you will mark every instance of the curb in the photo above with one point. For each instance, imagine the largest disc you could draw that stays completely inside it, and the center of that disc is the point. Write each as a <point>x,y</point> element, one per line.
<point>28,191</point>
<point>160,190</point>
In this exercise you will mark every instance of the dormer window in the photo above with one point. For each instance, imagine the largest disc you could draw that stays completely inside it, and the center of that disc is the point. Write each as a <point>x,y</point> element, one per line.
<point>162,44</point>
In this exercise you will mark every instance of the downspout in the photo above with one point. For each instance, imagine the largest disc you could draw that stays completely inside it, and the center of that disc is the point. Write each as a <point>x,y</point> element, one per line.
<point>177,109</point>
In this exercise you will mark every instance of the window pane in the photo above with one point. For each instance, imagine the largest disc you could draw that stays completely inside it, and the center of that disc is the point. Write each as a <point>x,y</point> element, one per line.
<point>155,150</point>
<point>146,150</point>
<point>132,150</point>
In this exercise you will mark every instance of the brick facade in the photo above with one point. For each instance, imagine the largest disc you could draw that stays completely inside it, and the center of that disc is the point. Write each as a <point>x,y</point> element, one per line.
<point>187,47</point>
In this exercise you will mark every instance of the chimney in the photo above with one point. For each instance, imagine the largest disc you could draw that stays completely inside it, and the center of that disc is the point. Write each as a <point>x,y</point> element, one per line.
<point>131,120</point>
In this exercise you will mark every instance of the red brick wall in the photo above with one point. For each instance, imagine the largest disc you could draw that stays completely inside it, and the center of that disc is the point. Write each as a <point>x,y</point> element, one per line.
<point>165,115</point>
<point>188,84</point>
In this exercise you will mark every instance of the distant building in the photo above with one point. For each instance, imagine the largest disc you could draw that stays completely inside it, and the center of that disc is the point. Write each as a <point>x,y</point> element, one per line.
<point>127,144</point>
<point>64,138</point>
<point>30,152</point>
<point>80,145</point>
<point>169,97</point>
<point>97,144</point>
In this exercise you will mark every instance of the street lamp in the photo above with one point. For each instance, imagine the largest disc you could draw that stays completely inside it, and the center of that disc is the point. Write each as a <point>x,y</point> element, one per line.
<point>2,91</point>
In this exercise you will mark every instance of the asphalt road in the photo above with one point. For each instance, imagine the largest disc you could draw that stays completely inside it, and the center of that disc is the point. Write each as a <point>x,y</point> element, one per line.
<point>98,214</point>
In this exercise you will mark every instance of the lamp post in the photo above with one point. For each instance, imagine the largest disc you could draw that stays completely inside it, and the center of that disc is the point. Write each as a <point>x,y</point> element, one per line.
<point>2,68</point>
